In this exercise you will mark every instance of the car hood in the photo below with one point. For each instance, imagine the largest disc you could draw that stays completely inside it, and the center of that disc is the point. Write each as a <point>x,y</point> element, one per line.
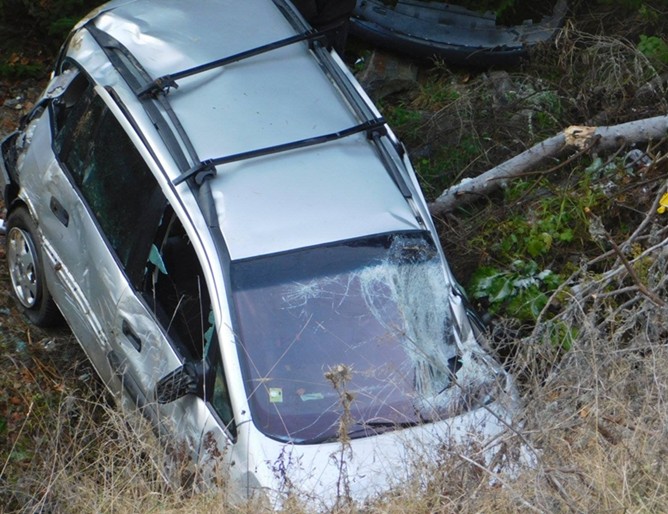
<point>324,474</point>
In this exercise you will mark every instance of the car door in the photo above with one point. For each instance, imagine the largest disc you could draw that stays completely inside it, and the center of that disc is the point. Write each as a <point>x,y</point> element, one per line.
<point>77,259</point>
<point>152,320</point>
<point>98,204</point>
<point>171,303</point>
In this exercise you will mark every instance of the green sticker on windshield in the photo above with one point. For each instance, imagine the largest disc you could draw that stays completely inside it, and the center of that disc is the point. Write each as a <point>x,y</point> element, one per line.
<point>306,397</point>
<point>275,395</point>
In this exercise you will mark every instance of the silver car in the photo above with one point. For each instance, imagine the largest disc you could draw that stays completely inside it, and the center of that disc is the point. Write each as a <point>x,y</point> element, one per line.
<point>239,243</point>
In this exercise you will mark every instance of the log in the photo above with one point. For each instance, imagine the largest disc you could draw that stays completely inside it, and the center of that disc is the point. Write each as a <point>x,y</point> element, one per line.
<point>598,139</point>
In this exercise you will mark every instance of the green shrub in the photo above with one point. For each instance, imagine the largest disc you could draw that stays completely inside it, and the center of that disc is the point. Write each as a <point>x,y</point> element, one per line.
<point>48,20</point>
<point>17,69</point>
<point>36,29</point>
<point>655,49</point>
<point>522,291</point>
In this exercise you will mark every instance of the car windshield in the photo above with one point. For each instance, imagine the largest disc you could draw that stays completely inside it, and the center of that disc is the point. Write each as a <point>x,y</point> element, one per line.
<point>374,310</point>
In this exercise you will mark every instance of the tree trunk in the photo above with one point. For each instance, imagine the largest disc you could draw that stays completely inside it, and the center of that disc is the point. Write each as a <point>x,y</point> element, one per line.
<point>599,139</point>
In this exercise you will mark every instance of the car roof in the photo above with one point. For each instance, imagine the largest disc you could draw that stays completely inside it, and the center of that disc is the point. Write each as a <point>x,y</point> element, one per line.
<point>333,191</point>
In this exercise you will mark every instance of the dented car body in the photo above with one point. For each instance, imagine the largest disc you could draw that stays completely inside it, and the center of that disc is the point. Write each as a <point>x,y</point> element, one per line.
<point>240,245</point>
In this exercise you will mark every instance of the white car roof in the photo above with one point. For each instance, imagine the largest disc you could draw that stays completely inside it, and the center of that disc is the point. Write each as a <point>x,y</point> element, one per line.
<point>328,192</point>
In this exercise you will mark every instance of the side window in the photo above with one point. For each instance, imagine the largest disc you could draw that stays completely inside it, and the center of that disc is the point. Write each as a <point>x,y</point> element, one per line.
<point>220,396</point>
<point>119,188</point>
<point>175,287</point>
<point>111,175</point>
<point>74,122</point>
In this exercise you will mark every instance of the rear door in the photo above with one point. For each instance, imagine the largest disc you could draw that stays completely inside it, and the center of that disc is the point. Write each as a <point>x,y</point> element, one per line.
<point>99,206</point>
<point>82,272</point>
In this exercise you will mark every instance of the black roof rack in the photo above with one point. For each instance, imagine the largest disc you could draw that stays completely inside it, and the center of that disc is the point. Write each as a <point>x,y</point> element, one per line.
<point>164,83</point>
<point>176,139</point>
<point>203,169</point>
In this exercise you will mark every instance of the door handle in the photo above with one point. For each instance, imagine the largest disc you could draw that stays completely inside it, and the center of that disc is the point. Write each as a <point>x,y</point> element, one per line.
<point>134,339</point>
<point>59,211</point>
<point>120,369</point>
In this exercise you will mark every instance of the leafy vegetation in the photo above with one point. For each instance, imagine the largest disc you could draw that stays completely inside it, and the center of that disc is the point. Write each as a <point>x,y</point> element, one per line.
<point>655,49</point>
<point>520,291</point>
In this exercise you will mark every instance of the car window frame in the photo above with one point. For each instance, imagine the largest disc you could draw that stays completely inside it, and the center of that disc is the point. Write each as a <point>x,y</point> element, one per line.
<point>141,244</point>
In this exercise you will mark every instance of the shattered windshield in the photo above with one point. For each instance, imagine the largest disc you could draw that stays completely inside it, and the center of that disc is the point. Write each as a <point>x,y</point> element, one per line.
<point>379,307</point>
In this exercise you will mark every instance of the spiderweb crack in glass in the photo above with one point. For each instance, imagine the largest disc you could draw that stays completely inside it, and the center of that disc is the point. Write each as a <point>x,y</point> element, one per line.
<point>381,306</point>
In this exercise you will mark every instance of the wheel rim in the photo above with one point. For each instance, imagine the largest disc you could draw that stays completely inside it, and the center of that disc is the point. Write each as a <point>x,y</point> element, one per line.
<point>22,261</point>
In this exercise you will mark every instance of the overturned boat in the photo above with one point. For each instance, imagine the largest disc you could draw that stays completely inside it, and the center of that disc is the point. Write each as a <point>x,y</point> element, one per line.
<point>436,30</point>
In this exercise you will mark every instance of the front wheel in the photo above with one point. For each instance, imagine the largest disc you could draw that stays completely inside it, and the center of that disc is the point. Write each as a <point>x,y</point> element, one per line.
<point>26,271</point>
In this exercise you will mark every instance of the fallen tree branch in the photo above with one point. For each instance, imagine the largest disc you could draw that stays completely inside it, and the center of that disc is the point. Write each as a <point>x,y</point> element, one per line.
<point>601,139</point>
<point>599,232</point>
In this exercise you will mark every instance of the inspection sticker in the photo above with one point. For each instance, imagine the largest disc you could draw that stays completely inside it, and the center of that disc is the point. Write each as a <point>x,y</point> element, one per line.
<point>276,395</point>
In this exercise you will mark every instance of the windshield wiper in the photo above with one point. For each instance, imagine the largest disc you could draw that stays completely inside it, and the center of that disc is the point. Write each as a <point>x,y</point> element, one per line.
<point>367,428</point>
<point>380,423</point>
<point>375,427</point>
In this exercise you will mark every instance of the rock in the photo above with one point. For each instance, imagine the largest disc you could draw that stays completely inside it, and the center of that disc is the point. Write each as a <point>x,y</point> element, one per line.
<point>502,86</point>
<point>386,74</point>
<point>12,103</point>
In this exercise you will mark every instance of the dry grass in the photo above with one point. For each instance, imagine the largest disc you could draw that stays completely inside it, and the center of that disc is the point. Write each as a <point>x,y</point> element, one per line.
<point>596,417</point>
<point>92,457</point>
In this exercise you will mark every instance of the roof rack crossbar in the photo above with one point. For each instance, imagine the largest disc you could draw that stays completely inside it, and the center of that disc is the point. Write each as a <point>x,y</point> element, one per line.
<point>372,127</point>
<point>174,136</point>
<point>355,100</point>
<point>164,83</point>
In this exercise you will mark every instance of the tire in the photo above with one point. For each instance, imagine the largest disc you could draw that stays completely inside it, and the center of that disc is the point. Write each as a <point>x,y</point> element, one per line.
<point>26,270</point>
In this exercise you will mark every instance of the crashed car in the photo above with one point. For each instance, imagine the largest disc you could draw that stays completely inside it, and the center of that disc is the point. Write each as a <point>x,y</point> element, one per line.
<point>240,245</point>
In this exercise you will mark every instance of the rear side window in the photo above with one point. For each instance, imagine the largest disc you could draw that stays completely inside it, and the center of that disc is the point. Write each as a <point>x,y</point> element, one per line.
<point>112,177</point>
<point>117,184</point>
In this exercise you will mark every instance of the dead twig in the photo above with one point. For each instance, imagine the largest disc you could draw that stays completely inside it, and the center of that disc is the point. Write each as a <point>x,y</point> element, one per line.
<point>598,232</point>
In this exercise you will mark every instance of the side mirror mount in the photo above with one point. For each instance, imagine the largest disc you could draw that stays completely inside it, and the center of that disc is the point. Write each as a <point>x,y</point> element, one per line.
<point>186,379</point>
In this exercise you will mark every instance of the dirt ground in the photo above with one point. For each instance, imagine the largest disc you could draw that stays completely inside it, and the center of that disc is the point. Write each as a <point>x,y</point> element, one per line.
<point>16,99</point>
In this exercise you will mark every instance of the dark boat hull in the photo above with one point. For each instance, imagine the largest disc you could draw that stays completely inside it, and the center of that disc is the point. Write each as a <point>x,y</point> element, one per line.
<point>429,30</point>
